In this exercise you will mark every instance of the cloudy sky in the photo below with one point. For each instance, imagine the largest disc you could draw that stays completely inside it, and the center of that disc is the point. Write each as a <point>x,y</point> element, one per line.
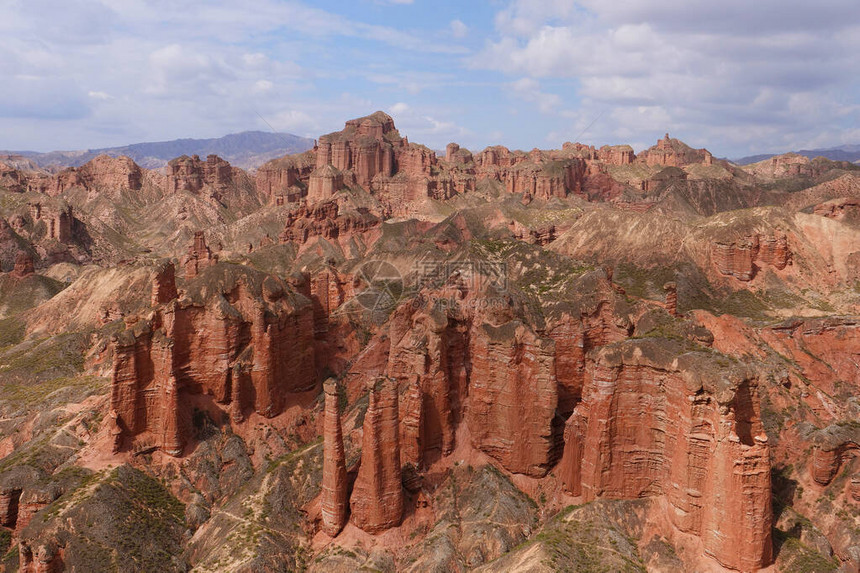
<point>734,76</point>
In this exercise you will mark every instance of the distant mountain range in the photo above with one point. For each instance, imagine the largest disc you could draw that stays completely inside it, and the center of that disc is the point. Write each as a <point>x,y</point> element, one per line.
<point>248,150</point>
<point>843,153</point>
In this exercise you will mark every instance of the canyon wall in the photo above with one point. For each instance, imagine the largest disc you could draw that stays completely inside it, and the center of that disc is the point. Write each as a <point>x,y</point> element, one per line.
<point>240,336</point>
<point>657,421</point>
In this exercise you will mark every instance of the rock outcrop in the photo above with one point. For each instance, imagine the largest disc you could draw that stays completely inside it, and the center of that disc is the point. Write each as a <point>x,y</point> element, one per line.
<point>784,166</point>
<point>841,209</point>
<point>44,558</point>
<point>616,154</point>
<point>328,289</point>
<point>164,284</point>
<point>238,335</point>
<point>513,397</point>
<point>282,179</point>
<point>671,304</point>
<point>58,219</point>
<point>9,499</point>
<point>191,174</point>
<point>428,353</point>
<point>833,446</point>
<point>324,183</point>
<point>103,173</point>
<point>12,179</point>
<point>23,266</point>
<point>334,503</point>
<point>674,153</point>
<point>198,257</point>
<point>739,258</point>
<point>825,350</point>
<point>377,496</point>
<point>325,220</point>
<point>657,421</point>
<point>365,147</point>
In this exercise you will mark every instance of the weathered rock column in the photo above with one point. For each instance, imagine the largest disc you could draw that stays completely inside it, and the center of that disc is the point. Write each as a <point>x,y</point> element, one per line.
<point>23,265</point>
<point>334,484</point>
<point>671,290</point>
<point>173,441</point>
<point>377,497</point>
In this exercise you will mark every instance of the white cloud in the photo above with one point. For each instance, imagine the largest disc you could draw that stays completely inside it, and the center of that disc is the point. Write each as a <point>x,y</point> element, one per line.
<point>295,121</point>
<point>263,86</point>
<point>529,90</point>
<point>399,108</point>
<point>459,29</point>
<point>728,73</point>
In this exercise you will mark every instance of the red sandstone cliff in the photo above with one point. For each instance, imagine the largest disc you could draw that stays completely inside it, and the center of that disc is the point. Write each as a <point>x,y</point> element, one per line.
<point>237,335</point>
<point>674,153</point>
<point>739,258</point>
<point>325,220</point>
<point>103,173</point>
<point>284,180</point>
<point>513,397</point>
<point>193,175</point>
<point>655,421</point>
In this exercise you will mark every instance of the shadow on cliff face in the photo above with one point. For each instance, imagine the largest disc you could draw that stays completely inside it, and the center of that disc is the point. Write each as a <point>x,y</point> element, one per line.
<point>784,491</point>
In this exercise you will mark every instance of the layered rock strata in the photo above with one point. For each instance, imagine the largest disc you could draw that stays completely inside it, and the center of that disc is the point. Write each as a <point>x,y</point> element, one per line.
<point>513,397</point>
<point>657,421</point>
<point>739,258</point>
<point>325,220</point>
<point>191,174</point>
<point>102,173</point>
<point>238,335</point>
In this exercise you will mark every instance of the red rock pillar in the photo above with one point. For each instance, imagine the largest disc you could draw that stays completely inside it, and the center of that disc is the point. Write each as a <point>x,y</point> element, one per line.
<point>172,439</point>
<point>262,369</point>
<point>738,516</point>
<point>377,497</point>
<point>240,380</point>
<point>115,432</point>
<point>164,284</point>
<point>671,298</point>
<point>570,467</point>
<point>334,483</point>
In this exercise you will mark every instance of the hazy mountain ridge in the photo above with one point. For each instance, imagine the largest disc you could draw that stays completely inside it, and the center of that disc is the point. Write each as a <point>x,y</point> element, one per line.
<point>842,153</point>
<point>248,150</point>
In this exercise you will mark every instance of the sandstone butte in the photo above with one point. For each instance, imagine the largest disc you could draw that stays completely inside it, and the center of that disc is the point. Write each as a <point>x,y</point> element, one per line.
<point>601,368</point>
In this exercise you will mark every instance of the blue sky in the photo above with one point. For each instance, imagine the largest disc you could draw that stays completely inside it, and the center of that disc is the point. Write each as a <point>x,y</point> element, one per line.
<point>735,77</point>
